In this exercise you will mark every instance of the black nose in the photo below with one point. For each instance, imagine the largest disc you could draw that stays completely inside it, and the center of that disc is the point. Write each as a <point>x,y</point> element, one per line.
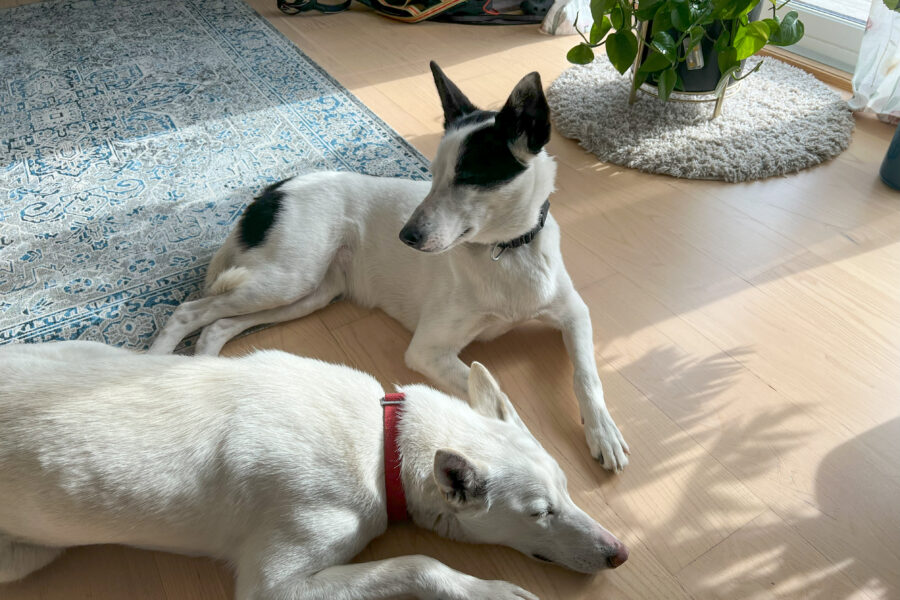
<point>411,236</point>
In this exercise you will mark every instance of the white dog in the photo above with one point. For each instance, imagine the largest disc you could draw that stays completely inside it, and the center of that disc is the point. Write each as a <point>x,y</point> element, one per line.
<point>489,259</point>
<point>274,463</point>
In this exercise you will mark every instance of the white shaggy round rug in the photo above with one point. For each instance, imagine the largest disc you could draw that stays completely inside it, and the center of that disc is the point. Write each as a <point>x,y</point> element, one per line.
<point>780,120</point>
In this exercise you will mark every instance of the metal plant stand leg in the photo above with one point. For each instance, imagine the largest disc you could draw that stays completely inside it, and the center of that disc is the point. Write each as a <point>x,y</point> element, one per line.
<point>720,100</point>
<point>637,63</point>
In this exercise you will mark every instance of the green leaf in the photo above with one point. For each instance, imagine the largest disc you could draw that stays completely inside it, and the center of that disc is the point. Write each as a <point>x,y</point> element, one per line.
<point>681,16</point>
<point>662,20</point>
<point>663,43</point>
<point>599,8</point>
<point>666,83</point>
<point>773,25</point>
<point>750,6</point>
<point>580,54</point>
<point>727,59</point>
<point>732,9</point>
<point>789,31</point>
<point>647,8</point>
<point>695,36</point>
<point>720,7</point>
<point>749,39</point>
<point>599,30</point>
<point>621,47</point>
<point>617,16</point>
<point>722,42</point>
<point>893,4</point>
<point>655,62</point>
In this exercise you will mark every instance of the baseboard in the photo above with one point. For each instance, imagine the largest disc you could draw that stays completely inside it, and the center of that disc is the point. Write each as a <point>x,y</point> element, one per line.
<point>829,75</point>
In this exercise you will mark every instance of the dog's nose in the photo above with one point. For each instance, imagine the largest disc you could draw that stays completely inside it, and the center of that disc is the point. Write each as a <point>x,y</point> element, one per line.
<point>619,557</point>
<point>411,236</point>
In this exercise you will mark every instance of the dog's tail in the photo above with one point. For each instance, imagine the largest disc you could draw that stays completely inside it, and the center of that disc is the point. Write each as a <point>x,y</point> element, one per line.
<point>226,281</point>
<point>220,277</point>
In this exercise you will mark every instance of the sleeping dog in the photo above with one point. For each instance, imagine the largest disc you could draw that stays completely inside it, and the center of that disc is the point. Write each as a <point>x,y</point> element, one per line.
<point>276,464</point>
<point>488,257</point>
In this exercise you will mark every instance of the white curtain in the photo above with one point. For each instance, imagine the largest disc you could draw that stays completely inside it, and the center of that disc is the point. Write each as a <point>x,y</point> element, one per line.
<point>876,82</point>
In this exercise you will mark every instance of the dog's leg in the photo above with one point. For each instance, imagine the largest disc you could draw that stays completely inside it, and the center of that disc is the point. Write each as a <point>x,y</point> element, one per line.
<point>195,314</point>
<point>217,333</point>
<point>417,576</point>
<point>18,559</point>
<point>570,314</point>
<point>188,317</point>
<point>430,354</point>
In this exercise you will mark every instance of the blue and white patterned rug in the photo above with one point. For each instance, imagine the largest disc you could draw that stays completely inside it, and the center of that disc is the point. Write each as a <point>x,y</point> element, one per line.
<point>132,134</point>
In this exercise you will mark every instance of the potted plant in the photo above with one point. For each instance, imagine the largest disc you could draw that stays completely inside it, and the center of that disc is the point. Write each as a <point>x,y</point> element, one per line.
<point>680,37</point>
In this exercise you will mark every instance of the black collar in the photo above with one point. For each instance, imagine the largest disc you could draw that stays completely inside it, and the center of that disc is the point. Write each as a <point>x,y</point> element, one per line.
<point>500,247</point>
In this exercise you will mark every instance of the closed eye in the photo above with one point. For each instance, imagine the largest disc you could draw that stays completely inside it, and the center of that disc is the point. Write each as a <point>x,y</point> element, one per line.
<point>543,513</point>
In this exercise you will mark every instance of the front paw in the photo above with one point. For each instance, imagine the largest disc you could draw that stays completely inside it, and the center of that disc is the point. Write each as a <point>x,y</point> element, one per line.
<point>497,590</point>
<point>607,444</point>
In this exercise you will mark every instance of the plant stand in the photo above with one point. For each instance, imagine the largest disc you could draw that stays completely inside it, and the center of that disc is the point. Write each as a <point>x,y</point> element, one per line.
<point>676,95</point>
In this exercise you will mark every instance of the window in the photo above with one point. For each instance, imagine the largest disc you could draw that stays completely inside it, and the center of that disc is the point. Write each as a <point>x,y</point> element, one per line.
<point>854,10</point>
<point>834,30</point>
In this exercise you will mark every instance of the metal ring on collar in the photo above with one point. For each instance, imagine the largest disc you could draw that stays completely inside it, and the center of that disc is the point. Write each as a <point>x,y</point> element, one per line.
<point>496,255</point>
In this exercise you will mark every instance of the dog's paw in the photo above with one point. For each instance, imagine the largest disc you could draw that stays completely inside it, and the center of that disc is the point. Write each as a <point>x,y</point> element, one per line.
<point>607,444</point>
<point>498,590</point>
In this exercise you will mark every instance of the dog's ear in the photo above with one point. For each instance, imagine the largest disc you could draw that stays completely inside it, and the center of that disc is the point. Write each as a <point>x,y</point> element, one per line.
<point>525,118</point>
<point>486,397</point>
<point>453,101</point>
<point>458,479</point>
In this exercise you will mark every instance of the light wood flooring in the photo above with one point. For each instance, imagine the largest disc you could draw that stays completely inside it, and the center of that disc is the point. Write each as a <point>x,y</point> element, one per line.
<point>748,337</point>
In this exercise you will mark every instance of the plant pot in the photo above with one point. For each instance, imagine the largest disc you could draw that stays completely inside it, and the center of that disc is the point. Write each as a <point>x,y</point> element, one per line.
<point>706,78</point>
<point>890,168</point>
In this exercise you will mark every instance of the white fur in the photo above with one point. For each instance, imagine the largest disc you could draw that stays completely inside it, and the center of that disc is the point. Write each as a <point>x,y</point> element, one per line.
<point>272,462</point>
<point>336,236</point>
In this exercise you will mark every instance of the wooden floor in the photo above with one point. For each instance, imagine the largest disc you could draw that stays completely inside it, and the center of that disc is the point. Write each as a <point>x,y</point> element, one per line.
<point>748,337</point>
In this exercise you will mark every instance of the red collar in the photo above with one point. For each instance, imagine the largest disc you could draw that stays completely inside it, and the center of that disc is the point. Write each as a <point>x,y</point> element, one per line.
<point>393,484</point>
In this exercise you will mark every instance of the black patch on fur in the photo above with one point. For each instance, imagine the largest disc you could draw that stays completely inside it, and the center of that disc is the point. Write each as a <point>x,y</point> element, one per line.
<point>485,159</point>
<point>260,215</point>
<point>526,113</point>
<point>453,101</point>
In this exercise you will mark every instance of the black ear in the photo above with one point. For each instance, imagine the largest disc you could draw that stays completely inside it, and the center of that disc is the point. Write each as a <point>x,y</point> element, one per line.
<point>526,116</point>
<point>453,101</point>
<point>457,478</point>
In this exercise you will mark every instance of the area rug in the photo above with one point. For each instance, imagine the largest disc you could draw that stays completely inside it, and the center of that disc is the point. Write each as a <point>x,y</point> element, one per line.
<point>132,134</point>
<point>780,120</point>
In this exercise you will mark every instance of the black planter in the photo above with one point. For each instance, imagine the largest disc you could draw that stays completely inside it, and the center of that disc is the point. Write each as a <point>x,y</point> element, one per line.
<point>706,78</point>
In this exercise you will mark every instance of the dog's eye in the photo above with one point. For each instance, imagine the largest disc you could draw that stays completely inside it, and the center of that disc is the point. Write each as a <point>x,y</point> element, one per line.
<point>544,513</point>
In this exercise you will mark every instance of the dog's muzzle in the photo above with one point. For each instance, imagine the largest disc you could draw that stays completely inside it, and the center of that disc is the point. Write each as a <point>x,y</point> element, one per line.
<point>618,558</point>
<point>411,236</point>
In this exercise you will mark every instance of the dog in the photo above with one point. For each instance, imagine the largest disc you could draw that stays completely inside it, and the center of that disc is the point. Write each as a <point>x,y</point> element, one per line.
<point>489,253</point>
<point>274,463</point>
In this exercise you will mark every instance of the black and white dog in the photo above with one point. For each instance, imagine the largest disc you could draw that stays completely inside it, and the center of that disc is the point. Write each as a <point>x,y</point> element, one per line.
<point>489,253</point>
